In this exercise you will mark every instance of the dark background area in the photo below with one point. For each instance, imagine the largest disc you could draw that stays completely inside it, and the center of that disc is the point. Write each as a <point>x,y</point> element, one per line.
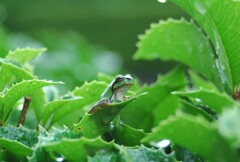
<point>80,31</point>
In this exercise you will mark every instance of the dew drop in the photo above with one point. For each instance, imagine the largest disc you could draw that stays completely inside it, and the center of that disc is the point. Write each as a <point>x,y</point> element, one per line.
<point>197,99</point>
<point>162,1</point>
<point>59,159</point>
<point>161,144</point>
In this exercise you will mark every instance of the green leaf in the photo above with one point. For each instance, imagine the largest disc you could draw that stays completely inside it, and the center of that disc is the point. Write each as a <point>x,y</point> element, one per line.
<point>5,76</point>
<point>198,82</point>
<point>60,107</point>
<point>213,99</point>
<point>174,78</point>
<point>15,147</point>
<point>20,90</point>
<point>104,156</point>
<point>126,135</point>
<point>56,135</point>
<point>195,134</point>
<point>18,140</point>
<point>197,110</point>
<point>69,111</point>
<point>20,134</point>
<point>144,154</point>
<point>24,55</point>
<point>167,41</point>
<point>185,155</point>
<point>89,94</point>
<point>9,70</point>
<point>219,19</point>
<point>86,147</point>
<point>16,71</point>
<point>165,108</point>
<point>37,102</point>
<point>93,125</point>
<point>133,154</point>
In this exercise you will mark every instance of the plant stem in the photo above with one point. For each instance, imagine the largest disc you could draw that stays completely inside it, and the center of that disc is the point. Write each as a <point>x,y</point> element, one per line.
<point>24,111</point>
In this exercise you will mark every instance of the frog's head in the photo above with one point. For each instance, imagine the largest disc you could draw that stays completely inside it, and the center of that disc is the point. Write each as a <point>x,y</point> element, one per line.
<point>122,82</point>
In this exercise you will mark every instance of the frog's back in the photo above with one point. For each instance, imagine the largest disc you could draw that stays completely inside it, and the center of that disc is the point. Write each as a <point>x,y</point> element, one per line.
<point>107,93</point>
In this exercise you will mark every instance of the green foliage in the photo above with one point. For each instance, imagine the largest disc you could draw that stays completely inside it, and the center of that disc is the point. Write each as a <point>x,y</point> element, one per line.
<point>184,128</point>
<point>18,140</point>
<point>155,44</point>
<point>193,106</point>
<point>222,26</point>
<point>24,55</point>
<point>17,91</point>
<point>126,135</point>
<point>135,154</point>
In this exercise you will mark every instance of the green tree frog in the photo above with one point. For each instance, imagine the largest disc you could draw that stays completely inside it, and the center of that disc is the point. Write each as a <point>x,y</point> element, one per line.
<point>115,92</point>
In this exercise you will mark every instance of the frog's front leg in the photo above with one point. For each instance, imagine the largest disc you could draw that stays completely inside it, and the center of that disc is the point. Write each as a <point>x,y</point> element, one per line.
<point>126,98</point>
<point>99,105</point>
<point>104,100</point>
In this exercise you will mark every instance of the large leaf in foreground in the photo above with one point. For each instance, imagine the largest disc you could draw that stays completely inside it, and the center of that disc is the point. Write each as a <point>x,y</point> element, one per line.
<point>220,20</point>
<point>78,149</point>
<point>195,134</point>
<point>89,94</point>
<point>63,107</point>
<point>126,135</point>
<point>10,70</point>
<point>93,125</point>
<point>19,90</point>
<point>181,41</point>
<point>16,148</point>
<point>18,140</point>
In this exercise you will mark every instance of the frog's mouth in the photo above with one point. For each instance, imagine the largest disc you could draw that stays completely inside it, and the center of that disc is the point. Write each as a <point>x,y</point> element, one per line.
<point>124,86</point>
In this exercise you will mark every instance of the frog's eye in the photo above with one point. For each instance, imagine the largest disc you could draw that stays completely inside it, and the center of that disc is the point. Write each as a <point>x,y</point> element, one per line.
<point>119,78</point>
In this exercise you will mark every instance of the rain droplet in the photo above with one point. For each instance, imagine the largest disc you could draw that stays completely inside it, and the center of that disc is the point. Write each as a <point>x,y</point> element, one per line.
<point>59,159</point>
<point>162,1</point>
<point>197,99</point>
<point>161,144</point>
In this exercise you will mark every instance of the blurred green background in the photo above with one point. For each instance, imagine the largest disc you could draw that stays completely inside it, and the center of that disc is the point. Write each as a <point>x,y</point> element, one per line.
<point>83,37</point>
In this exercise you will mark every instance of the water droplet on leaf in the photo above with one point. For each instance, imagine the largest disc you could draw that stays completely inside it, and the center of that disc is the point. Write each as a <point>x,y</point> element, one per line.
<point>162,1</point>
